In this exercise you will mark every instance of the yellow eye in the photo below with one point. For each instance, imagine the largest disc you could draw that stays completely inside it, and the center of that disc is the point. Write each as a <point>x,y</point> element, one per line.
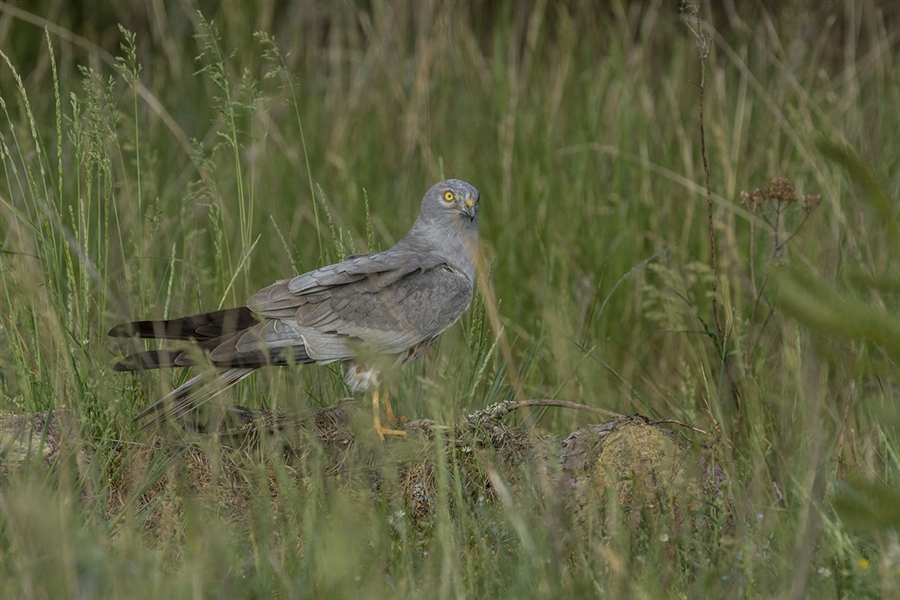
<point>448,196</point>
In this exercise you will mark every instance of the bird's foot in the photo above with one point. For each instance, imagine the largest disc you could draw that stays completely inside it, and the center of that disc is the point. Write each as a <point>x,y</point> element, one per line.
<point>389,417</point>
<point>383,431</point>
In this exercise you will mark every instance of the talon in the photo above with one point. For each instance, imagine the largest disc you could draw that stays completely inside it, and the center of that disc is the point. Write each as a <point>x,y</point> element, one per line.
<point>383,431</point>
<point>376,418</point>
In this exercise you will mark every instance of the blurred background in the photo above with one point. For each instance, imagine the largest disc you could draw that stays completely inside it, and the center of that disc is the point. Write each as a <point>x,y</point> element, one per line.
<point>164,158</point>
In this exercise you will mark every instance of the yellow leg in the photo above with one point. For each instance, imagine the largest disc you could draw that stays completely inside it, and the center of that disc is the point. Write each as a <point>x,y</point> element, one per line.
<point>376,410</point>
<point>388,411</point>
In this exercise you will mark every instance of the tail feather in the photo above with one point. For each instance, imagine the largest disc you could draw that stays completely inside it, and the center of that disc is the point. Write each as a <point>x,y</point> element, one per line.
<point>150,359</point>
<point>168,359</point>
<point>210,334</point>
<point>195,327</point>
<point>191,395</point>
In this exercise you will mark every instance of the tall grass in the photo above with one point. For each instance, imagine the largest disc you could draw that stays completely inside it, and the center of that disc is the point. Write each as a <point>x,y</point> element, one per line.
<point>157,174</point>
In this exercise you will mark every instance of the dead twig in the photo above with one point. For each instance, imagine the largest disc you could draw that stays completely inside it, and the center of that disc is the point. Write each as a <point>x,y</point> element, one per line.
<point>679,423</point>
<point>693,23</point>
<point>497,411</point>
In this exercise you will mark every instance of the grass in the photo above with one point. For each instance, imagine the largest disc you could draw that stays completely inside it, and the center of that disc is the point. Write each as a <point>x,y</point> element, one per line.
<point>160,174</point>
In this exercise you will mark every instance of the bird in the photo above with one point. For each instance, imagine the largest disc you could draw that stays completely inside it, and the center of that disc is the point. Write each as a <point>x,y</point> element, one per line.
<point>364,312</point>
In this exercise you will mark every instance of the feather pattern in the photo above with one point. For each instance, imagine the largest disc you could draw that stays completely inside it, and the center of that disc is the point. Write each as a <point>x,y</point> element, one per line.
<point>394,303</point>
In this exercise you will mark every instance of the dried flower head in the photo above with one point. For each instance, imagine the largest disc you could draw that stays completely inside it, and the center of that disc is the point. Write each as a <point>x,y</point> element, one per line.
<point>772,204</point>
<point>782,190</point>
<point>810,202</point>
<point>754,199</point>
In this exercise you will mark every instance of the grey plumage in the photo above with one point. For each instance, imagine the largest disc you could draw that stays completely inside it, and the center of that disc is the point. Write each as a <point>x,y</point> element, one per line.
<point>393,303</point>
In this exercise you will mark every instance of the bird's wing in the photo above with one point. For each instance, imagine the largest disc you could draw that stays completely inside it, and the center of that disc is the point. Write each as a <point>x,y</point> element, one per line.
<point>369,271</point>
<point>417,308</point>
<point>387,302</point>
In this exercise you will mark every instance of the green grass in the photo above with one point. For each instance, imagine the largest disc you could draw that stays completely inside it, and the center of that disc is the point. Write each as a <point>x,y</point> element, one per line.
<point>166,174</point>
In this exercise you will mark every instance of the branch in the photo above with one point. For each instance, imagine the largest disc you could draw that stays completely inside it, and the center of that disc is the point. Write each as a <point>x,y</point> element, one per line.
<point>499,410</point>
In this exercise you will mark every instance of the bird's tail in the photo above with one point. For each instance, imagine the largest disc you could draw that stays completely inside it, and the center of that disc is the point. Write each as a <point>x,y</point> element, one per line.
<point>192,394</point>
<point>195,327</point>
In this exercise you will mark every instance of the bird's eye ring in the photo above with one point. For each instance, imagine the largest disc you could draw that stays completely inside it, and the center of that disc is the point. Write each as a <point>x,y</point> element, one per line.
<point>448,196</point>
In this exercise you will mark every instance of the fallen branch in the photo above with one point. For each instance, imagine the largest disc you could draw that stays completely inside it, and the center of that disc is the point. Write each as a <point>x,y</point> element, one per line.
<point>679,423</point>
<point>497,411</point>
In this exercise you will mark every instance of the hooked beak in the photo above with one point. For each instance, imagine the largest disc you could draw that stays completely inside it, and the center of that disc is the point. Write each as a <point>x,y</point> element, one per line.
<point>471,209</point>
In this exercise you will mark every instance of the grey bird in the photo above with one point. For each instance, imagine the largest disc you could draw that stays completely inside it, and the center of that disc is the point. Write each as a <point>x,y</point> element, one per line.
<point>393,304</point>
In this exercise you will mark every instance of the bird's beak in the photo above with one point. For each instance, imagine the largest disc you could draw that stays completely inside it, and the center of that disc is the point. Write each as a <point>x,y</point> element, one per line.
<point>471,208</point>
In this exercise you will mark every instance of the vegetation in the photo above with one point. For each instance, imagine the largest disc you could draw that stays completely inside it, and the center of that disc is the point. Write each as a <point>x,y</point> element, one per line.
<point>173,159</point>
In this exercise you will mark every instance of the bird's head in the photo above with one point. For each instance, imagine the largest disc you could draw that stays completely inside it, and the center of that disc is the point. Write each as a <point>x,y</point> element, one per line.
<point>452,197</point>
<point>447,225</point>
